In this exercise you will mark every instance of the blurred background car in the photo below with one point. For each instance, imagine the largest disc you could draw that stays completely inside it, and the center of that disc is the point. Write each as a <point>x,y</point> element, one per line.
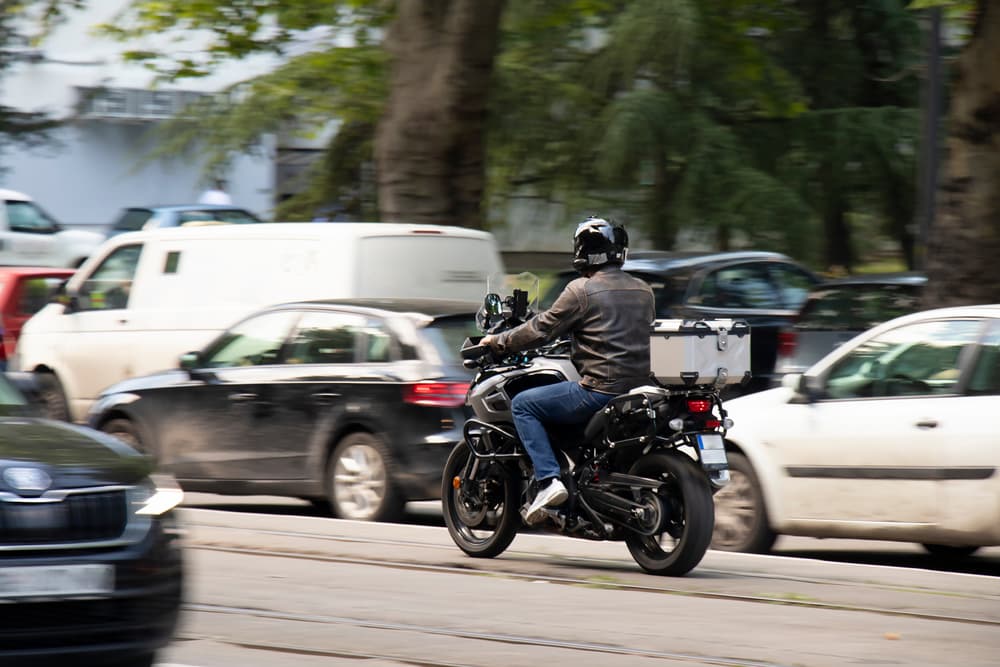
<point>837,310</point>
<point>134,218</point>
<point>888,437</point>
<point>23,292</point>
<point>29,236</point>
<point>91,571</point>
<point>766,289</point>
<point>354,403</point>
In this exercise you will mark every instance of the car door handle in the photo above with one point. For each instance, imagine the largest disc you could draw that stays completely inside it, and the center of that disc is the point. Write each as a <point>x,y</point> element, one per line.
<point>927,423</point>
<point>324,398</point>
<point>242,398</point>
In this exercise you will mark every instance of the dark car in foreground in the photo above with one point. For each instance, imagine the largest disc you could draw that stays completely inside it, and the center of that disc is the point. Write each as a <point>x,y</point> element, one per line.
<point>135,218</point>
<point>91,570</point>
<point>355,403</point>
<point>766,289</point>
<point>838,310</point>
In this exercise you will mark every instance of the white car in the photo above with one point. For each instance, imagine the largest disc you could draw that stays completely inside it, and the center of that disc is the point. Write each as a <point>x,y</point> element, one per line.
<point>30,237</point>
<point>888,437</point>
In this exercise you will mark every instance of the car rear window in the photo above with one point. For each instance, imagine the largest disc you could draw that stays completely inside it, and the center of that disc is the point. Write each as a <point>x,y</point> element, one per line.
<point>132,219</point>
<point>857,307</point>
<point>235,216</point>
<point>447,334</point>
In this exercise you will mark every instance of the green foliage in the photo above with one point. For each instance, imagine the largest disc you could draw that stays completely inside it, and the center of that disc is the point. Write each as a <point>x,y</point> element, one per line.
<point>747,119</point>
<point>18,128</point>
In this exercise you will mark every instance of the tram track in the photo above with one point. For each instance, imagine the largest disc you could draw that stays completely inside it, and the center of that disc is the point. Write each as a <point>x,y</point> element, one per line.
<point>496,567</point>
<point>581,647</point>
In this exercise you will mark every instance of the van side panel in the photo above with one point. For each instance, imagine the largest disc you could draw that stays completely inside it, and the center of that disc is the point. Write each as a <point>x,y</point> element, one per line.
<point>239,274</point>
<point>443,267</point>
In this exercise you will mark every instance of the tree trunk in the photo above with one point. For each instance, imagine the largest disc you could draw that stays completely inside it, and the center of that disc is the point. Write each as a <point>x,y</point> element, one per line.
<point>963,253</point>
<point>429,146</point>
<point>838,251</point>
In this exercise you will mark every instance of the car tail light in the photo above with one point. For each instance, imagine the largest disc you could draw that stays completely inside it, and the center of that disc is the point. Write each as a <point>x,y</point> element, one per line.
<point>699,405</point>
<point>436,394</point>
<point>786,343</point>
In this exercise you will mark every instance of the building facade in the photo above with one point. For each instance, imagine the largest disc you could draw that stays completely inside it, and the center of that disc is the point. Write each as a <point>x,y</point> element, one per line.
<point>99,161</point>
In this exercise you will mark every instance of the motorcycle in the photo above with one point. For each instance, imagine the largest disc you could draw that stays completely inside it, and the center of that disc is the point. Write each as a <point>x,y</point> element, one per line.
<point>642,471</point>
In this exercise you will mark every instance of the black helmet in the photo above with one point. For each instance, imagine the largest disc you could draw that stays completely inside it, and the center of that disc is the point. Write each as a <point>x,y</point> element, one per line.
<point>598,242</point>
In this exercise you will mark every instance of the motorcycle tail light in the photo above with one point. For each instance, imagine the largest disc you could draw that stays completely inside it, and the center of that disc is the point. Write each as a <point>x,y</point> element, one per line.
<point>436,394</point>
<point>699,405</point>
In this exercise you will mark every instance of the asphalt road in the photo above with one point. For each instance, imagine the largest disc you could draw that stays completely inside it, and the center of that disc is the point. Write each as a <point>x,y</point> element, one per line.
<point>871,552</point>
<point>276,589</point>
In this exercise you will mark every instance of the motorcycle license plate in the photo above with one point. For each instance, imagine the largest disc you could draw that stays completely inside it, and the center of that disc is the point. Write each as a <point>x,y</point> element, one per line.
<point>712,449</point>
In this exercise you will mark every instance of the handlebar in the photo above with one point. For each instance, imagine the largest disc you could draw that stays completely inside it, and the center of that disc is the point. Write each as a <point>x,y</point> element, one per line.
<point>475,351</point>
<point>475,355</point>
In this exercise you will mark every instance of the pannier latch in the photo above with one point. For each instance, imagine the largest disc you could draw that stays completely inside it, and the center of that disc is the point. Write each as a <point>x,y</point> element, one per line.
<point>722,340</point>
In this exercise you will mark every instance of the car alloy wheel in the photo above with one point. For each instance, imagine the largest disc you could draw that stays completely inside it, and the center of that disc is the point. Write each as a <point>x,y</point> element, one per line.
<point>360,483</point>
<point>740,514</point>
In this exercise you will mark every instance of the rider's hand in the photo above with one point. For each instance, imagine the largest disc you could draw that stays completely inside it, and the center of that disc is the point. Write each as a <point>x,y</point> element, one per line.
<point>488,340</point>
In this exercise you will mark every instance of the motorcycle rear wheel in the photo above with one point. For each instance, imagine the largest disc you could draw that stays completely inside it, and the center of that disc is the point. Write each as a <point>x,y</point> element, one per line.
<point>481,514</point>
<point>687,529</point>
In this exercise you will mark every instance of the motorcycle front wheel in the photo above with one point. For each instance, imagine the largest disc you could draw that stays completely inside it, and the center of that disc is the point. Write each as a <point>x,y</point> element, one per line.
<point>684,532</point>
<point>481,510</point>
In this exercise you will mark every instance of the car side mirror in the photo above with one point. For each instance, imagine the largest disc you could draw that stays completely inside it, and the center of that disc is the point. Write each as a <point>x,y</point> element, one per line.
<point>807,388</point>
<point>190,361</point>
<point>61,294</point>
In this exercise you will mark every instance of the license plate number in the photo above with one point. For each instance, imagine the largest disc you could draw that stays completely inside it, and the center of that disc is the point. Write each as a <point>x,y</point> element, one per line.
<point>712,449</point>
<point>57,581</point>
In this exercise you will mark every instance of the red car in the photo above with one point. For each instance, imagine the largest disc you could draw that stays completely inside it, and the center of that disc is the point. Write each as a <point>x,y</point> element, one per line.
<point>23,292</point>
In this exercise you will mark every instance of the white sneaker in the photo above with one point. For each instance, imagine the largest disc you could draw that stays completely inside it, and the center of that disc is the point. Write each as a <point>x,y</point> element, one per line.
<point>553,494</point>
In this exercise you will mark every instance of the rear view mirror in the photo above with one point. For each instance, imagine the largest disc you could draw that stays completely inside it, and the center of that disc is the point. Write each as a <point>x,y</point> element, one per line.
<point>493,305</point>
<point>62,295</point>
<point>190,361</point>
<point>490,313</point>
<point>807,388</point>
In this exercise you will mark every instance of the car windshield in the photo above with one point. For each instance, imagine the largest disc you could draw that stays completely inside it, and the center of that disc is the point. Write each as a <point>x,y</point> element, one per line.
<point>11,401</point>
<point>448,333</point>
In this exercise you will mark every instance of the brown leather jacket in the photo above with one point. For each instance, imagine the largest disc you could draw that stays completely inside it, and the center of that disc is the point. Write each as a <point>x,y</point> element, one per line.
<point>608,318</point>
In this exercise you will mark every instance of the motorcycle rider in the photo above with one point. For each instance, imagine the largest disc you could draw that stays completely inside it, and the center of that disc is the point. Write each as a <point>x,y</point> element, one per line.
<point>607,314</point>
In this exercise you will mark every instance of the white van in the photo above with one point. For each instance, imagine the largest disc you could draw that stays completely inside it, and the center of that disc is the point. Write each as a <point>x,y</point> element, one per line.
<point>147,297</point>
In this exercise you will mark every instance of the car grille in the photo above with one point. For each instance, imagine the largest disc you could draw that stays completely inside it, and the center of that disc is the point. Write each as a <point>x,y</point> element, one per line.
<point>147,618</point>
<point>77,517</point>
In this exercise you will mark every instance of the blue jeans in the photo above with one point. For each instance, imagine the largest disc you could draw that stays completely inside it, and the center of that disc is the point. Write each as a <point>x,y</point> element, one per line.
<point>562,403</point>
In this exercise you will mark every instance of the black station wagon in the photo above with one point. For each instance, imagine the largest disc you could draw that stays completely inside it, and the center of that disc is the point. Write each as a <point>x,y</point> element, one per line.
<point>355,403</point>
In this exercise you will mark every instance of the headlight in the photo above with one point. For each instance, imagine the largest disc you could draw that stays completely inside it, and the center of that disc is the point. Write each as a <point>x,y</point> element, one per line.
<point>156,495</point>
